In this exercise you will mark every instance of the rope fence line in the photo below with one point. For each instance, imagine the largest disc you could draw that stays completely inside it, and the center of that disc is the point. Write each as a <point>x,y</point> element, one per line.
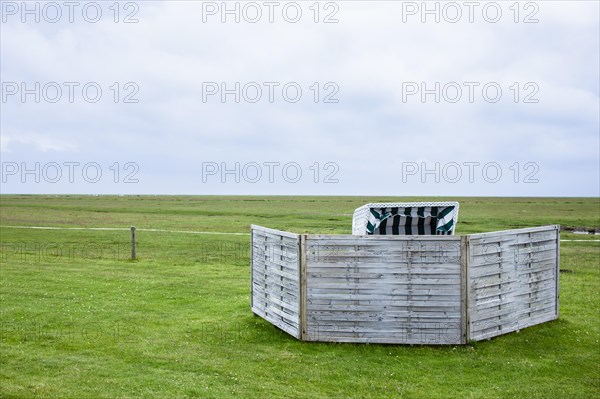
<point>580,240</point>
<point>125,229</point>
<point>132,229</point>
<point>168,231</point>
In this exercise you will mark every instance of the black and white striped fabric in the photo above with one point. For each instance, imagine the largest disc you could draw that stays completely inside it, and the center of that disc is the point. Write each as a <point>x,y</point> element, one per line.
<point>422,220</point>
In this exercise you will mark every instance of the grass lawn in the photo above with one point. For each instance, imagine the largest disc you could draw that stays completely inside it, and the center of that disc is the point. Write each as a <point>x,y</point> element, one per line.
<point>80,320</point>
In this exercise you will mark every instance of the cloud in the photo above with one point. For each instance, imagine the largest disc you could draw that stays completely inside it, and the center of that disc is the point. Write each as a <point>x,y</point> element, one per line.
<point>366,62</point>
<point>34,143</point>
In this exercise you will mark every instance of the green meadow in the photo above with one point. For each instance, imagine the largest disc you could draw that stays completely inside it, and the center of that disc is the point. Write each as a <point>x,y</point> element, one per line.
<point>80,319</point>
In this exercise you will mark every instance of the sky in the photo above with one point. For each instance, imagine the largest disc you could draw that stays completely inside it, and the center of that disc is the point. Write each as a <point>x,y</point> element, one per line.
<point>301,98</point>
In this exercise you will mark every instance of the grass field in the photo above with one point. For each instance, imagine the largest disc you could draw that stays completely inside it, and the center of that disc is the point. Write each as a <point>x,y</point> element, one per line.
<point>78,319</point>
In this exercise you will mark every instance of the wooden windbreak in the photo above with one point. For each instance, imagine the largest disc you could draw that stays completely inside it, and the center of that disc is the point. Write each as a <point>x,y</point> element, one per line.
<point>512,279</point>
<point>383,289</point>
<point>405,289</point>
<point>275,278</point>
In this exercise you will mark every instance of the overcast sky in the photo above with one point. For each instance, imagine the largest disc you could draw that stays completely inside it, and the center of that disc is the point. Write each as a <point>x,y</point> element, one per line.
<point>330,98</point>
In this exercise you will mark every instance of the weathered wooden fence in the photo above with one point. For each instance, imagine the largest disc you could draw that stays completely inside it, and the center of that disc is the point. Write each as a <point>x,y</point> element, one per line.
<point>383,289</point>
<point>513,280</point>
<point>405,289</point>
<point>275,278</point>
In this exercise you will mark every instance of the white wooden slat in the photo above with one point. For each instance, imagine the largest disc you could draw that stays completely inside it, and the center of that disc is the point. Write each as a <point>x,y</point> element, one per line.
<point>394,289</point>
<point>277,233</point>
<point>324,317</point>
<point>504,233</point>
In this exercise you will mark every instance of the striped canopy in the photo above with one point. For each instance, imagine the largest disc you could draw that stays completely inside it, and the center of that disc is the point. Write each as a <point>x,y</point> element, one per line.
<point>406,219</point>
